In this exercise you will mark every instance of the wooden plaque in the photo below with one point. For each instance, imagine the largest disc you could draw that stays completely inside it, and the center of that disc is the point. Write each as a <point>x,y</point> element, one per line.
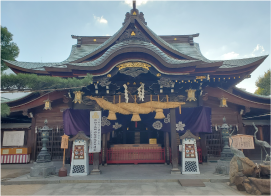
<point>189,151</point>
<point>242,141</point>
<point>64,141</point>
<point>79,152</point>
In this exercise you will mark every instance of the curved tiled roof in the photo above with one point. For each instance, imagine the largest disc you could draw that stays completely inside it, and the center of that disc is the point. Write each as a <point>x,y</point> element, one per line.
<point>76,53</point>
<point>240,62</point>
<point>121,45</point>
<point>252,94</point>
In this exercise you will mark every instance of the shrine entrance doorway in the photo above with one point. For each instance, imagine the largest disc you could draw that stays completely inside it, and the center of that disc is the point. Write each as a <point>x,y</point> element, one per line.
<point>136,143</point>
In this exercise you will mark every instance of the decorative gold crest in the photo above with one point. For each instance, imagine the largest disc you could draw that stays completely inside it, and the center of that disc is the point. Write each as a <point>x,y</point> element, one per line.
<point>109,75</point>
<point>95,115</point>
<point>175,38</point>
<point>158,75</point>
<point>133,33</point>
<point>200,77</point>
<point>134,64</point>
<point>134,13</point>
<point>94,40</point>
<point>191,95</point>
<point>78,96</point>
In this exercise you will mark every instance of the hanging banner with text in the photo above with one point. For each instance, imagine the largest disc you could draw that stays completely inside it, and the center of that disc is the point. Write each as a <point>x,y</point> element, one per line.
<point>95,132</point>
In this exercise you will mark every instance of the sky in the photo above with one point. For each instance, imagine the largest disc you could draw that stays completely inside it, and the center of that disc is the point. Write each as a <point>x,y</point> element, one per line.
<point>227,29</point>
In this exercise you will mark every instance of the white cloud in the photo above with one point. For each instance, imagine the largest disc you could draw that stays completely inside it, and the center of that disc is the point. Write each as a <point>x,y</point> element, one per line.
<point>100,19</point>
<point>258,50</point>
<point>230,55</point>
<point>138,2</point>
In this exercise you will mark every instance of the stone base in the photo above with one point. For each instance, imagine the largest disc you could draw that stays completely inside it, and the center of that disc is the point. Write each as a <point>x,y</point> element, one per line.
<point>175,171</point>
<point>95,172</point>
<point>62,172</point>
<point>222,167</point>
<point>42,170</point>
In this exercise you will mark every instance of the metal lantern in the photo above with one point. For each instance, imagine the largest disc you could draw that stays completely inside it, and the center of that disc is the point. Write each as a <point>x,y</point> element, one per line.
<point>47,105</point>
<point>223,102</point>
<point>78,96</point>
<point>44,155</point>
<point>226,154</point>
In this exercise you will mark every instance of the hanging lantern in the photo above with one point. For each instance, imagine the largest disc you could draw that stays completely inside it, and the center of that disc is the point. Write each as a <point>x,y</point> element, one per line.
<point>47,105</point>
<point>159,114</point>
<point>112,115</point>
<point>191,95</point>
<point>223,102</point>
<point>136,117</point>
<point>78,96</point>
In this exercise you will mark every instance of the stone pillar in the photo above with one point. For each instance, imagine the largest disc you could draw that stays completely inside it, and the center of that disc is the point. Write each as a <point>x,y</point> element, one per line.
<point>241,129</point>
<point>95,169</point>
<point>175,169</point>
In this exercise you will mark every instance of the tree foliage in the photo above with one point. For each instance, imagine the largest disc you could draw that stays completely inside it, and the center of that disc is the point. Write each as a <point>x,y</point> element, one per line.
<point>9,49</point>
<point>263,84</point>
<point>33,82</point>
<point>5,110</point>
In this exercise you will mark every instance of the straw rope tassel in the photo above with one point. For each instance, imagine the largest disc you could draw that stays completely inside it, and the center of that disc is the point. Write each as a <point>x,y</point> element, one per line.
<point>159,112</point>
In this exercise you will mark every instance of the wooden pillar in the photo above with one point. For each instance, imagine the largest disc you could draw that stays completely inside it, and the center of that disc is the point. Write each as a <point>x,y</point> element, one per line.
<point>203,147</point>
<point>175,169</point>
<point>95,169</point>
<point>260,128</point>
<point>166,139</point>
<point>33,140</point>
<point>103,148</point>
<point>241,129</point>
<point>124,135</point>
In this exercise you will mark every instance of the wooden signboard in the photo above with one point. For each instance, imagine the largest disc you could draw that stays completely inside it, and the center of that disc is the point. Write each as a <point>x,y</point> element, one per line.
<point>64,141</point>
<point>242,141</point>
<point>13,138</point>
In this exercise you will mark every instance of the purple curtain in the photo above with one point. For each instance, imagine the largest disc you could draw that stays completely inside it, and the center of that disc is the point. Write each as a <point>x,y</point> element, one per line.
<point>196,119</point>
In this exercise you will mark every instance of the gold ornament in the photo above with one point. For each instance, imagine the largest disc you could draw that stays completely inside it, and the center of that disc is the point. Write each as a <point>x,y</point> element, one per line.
<point>191,95</point>
<point>133,64</point>
<point>78,96</point>
<point>47,105</point>
<point>223,102</point>
<point>133,33</point>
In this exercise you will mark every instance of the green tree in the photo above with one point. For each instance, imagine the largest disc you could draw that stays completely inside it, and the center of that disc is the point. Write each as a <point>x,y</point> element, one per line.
<point>263,84</point>
<point>9,49</point>
<point>5,110</point>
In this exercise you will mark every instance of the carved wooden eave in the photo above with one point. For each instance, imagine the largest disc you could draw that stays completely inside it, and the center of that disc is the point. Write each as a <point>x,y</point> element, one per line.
<point>218,93</point>
<point>188,134</point>
<point>38,101</point>
<point>80,136</point>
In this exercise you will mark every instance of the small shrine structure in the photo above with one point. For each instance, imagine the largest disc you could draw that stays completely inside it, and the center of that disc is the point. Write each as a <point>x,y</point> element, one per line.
<point>190,163</point>
<point>80,158</point>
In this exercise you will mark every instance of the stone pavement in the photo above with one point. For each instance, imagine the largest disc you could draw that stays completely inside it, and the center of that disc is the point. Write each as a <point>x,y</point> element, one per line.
<point>120,173</point>
<point>153,188</point>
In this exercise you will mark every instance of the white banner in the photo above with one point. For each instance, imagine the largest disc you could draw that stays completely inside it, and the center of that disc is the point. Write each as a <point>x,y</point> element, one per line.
<point>95,132</point>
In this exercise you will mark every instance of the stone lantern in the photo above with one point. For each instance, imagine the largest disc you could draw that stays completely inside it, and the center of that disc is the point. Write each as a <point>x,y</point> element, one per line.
<point>43,167</point>
<point>223,163</point>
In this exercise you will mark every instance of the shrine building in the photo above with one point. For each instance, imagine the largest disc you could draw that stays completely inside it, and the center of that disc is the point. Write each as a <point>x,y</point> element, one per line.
<point>150,90</point>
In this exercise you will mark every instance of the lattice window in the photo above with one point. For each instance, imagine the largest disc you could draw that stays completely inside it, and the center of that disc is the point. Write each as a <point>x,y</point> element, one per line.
<point>190,166</point>
<point>214,144</point>
<point>78,169</point>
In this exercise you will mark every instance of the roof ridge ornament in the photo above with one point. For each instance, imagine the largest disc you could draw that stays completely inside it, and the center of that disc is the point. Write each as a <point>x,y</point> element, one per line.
<point>134,13</point>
